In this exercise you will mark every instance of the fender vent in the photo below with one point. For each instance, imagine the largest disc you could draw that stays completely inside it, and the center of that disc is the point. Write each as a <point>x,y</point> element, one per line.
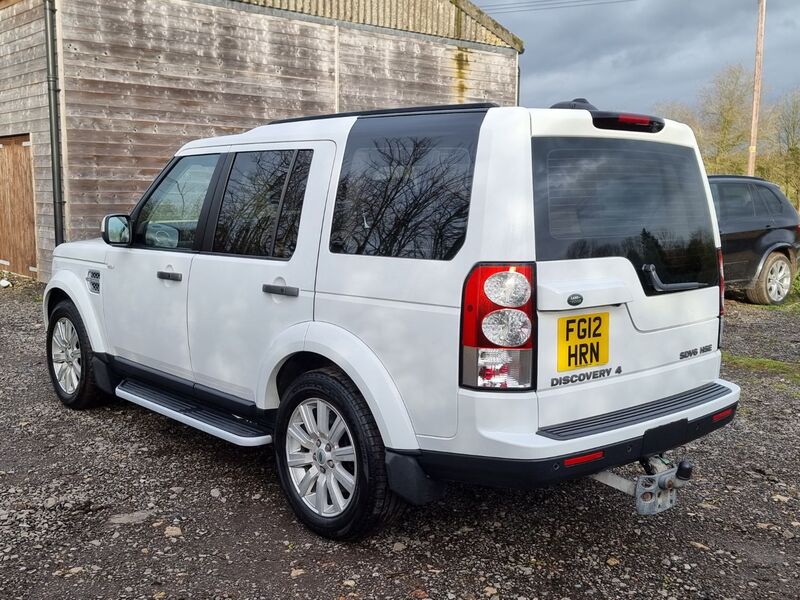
<point>93,281</point>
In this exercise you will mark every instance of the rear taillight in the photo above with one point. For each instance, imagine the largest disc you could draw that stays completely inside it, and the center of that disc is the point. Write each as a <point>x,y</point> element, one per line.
<point>721,283</point>
<point>721,297</point>
<point>498,327</point>
<point>626,122</point>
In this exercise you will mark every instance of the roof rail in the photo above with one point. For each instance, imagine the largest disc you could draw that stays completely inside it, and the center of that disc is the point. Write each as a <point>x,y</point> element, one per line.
<point>394,111</point>
<point>736,177</point>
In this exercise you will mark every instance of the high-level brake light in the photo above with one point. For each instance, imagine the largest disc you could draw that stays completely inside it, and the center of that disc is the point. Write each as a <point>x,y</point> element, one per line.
<point>626,122</point>
<point>497,327</point>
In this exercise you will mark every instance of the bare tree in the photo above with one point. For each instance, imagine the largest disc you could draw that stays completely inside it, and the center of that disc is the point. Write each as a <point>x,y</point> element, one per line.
<point>787,133</point>
<point>724,115</point>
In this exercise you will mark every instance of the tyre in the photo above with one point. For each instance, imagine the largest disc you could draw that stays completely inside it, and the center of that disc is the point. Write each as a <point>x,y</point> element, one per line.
<point>331,459</point>
<point>69,358</point>
<point>774,283</point>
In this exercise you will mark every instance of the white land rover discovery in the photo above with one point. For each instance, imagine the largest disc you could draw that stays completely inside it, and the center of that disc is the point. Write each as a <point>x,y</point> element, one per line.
<point>400,298</point>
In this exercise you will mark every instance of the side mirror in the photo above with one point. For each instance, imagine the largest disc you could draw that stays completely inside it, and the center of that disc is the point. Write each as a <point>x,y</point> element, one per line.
<point>116,230</point>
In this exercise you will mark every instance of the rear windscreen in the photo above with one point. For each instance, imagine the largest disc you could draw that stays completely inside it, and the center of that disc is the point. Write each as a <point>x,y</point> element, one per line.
<point>644,201</point>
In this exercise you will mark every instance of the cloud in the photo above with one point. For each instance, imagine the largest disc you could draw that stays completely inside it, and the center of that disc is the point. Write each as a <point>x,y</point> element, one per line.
<point>632,56</point>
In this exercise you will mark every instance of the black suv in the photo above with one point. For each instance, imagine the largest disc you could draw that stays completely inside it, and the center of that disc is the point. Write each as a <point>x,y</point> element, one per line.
<point>760,236</point>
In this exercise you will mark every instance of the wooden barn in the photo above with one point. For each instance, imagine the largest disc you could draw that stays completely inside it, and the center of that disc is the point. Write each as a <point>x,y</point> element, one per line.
<point>116,86</point>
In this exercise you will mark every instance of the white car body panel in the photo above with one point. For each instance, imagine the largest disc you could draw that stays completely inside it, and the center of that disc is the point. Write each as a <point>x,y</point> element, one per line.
<point>505,425</point>
<point>226,346</point>
<point>145,316</point>
<point>69,276</point>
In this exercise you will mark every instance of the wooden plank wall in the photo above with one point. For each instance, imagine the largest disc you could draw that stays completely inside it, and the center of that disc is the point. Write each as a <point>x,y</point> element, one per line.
<point>377,70</point>
<point>142,77</point>
<point>23,105</point>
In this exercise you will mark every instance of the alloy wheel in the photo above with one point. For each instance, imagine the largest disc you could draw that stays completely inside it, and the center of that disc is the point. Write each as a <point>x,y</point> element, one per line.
<point>321,457</point>
<point>779,279</point>
<point>65,353</point>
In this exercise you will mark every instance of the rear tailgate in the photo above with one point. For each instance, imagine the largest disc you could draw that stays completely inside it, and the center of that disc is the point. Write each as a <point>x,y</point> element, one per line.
<point>628,297</point>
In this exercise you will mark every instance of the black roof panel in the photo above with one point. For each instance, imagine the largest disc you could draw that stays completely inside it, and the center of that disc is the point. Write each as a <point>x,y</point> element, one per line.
<point>394,111</point>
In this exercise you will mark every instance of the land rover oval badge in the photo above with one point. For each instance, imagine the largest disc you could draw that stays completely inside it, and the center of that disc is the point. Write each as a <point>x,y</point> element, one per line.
<point>574,299</point>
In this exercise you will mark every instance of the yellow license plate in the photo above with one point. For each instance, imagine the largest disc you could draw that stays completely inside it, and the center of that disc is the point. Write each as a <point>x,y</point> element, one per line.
<point>582,341</point>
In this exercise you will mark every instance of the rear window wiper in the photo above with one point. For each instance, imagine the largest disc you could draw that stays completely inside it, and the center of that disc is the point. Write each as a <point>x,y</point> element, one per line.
<point>660,286</point>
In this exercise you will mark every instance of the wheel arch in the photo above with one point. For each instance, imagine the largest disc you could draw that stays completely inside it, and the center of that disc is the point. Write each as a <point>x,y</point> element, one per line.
<point>326,345</point>
<point>782,247</point>
<point>67,286</point>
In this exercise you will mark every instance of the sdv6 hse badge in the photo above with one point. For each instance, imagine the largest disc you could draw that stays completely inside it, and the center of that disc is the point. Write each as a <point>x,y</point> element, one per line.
<point>574,299</point>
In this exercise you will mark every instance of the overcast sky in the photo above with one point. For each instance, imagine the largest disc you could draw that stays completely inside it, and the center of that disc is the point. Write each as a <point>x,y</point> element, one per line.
<point>633,55</point>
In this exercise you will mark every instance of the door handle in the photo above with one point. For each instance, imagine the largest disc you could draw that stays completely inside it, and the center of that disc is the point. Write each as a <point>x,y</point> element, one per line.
<point>280,290</point>
<point>169,275</point>
<point>660,286</point>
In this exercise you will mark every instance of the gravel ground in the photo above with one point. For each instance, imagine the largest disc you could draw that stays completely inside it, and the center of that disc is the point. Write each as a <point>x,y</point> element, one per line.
<point>121,503</point>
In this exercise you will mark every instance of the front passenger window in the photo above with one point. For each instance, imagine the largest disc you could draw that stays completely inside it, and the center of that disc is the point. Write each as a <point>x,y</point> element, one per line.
<point>169,217</point>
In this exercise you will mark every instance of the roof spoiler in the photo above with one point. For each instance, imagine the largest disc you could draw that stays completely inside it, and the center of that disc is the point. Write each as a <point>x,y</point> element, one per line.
<point>615,120</point>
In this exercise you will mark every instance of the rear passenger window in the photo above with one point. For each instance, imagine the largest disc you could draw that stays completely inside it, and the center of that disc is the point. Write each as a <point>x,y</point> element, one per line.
<point>405,186</point>
<point>260,211</point>
<point>770,199</point>
<point>735,201</point>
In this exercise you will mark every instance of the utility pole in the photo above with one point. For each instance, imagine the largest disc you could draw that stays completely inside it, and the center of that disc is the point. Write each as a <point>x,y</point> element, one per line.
<point>751,158</point>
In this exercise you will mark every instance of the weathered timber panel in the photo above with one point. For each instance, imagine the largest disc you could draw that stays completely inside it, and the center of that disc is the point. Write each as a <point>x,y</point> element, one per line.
<point>378,70</point>
<point>23,112</point>
<point>142,77</point>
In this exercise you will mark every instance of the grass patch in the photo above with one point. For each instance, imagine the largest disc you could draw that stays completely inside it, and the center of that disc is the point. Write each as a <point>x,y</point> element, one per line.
<point>792,303</point>
<point>788,370</point>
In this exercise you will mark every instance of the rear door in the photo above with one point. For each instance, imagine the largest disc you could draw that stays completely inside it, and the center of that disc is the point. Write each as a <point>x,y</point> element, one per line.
<point>783,215</point>
<point>255,276</point>
<point>743,219</point>
<point>627,269</point>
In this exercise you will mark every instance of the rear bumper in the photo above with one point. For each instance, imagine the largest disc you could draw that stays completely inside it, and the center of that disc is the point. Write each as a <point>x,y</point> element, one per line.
<point>515,473</point>
<point>618,439</point>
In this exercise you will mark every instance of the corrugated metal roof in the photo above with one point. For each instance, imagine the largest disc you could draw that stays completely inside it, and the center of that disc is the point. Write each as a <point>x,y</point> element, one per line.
<point>454,19</point>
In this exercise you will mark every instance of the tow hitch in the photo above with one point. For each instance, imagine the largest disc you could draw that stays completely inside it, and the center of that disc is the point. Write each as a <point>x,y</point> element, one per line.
<point>657,490</point>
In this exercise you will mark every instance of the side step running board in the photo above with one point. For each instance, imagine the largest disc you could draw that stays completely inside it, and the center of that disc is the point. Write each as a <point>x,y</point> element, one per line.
<point>189,412</point>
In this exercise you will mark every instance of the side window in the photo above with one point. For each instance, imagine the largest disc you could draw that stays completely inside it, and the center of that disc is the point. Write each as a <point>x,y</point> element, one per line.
<point>405,186</point>
<point>289,221</point>
<point>758,201</point>
<point>169,217</point>
<point>770,199</point>
<point>736,201</point>
<point>260,211</point>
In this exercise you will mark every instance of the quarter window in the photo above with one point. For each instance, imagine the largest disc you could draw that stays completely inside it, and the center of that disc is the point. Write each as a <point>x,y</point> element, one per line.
<point>260,212</point>
<point>770,199</point>
<point>289,221</point>
<point>405,186</point>
<point>169,216</point>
